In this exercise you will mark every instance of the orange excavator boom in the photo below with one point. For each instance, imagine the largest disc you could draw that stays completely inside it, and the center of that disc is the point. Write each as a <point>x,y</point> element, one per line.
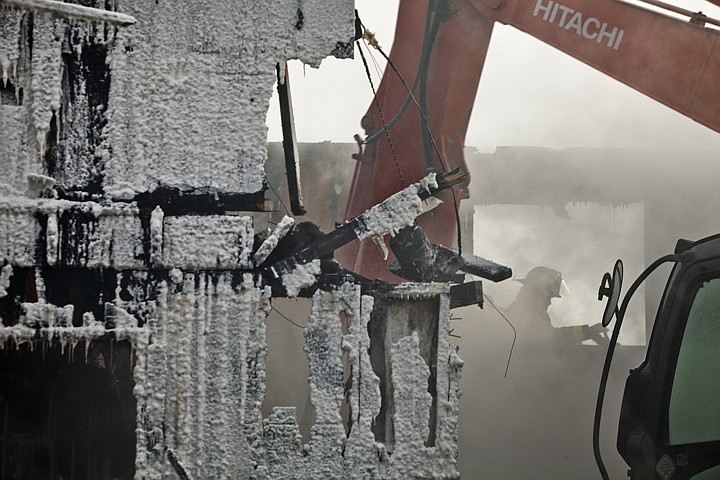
<point>439,51</point>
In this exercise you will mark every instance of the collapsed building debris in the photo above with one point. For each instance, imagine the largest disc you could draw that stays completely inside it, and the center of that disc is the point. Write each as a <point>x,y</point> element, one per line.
<point>419,260</point>
<point>134,288</point>
<point>130,277</point>
<point>194,321</point>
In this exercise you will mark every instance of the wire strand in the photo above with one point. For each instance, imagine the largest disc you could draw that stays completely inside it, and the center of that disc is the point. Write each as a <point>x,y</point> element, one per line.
<point>512,347</point>
<point>286,318</point>
<point>279,198</point>
<point>376,64</point>
<point>382,117</point>
<point>390,125</point>
<point>426,124</point>
<point>429,32</point>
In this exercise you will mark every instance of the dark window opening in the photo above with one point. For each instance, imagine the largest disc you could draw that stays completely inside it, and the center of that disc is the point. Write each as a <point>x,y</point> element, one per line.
<point>286,365</point>
<point>86,90</point>
<point>86,289</point>
<point>21,290</point>
<point>67,414</point>
<point>9,95</point>
<point>51,144</point>
<point>391,320</point>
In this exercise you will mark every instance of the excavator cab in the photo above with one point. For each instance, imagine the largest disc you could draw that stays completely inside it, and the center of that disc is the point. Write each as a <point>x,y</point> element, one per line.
<point>670,416</point>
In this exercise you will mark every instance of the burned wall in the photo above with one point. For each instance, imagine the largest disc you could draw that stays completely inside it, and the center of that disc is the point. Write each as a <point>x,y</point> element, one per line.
<point>132,147</point>
<point>176,101</point>
<point>190,348</point>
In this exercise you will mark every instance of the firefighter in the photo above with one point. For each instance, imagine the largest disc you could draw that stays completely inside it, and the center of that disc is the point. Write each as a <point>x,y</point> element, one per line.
<point>529,312</point>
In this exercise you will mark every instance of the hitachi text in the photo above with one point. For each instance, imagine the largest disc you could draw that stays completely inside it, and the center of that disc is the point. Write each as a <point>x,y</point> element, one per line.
<point>589,27</point>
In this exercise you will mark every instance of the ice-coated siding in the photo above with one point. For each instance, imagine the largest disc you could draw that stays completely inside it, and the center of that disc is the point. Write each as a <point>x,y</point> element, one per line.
<point>95,119</point>
<point>200,346</point>
<point>397,212</point>
<point>178,100</point>
<point>192,81</point>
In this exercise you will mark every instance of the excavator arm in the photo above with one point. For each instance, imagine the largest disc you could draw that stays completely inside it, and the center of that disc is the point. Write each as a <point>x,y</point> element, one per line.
<point>439,50</point>
<point>673,61</point>
<point>438,55</point>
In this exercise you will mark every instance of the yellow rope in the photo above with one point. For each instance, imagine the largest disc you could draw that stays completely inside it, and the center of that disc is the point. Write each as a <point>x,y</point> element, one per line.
<point>370,38</point>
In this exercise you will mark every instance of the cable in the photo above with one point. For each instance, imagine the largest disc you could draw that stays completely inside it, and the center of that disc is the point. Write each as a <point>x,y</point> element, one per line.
<point>370,38</point>
<point>376,64</point>
<point>382,117</point>
<point>414,100</point>
<point>279,198</point>
<point>380,71</point>
<point>512,347</point>
<point>286,318</point>
<point>429,31</point>
<point>434,144</point>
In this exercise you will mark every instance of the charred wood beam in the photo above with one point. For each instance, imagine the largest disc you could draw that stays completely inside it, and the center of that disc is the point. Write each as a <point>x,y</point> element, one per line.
<point>418,260</point>
<point>174,201</point>
<point>483,268</point>
<point>292,162</point>
<point>470,293</point>
<point>421,261</point>
<point>357,228</point>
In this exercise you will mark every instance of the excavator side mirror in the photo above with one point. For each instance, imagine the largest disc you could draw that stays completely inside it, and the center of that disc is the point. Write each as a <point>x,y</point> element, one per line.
<point>610,287</point>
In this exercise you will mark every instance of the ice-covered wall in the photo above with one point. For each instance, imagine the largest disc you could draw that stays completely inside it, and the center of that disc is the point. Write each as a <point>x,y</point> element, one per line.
<point>193,304</point>
<point>108,138</point>
<point>177,100</point>
<point>196,79</point>
<point>200,346</point>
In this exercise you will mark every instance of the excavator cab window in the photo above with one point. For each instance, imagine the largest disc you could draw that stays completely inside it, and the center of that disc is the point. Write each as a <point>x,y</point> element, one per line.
<point>670,419</point>
<point>694,408</point>
<point>689,446</point>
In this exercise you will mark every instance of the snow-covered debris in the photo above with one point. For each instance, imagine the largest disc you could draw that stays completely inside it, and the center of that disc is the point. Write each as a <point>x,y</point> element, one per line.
<point>301,276</point>
<point>156,235</point>
<point>167,111</point>
<point>271,242</point>
<point>5,274</point>
<point>207,242</point>
<point>395,213</point>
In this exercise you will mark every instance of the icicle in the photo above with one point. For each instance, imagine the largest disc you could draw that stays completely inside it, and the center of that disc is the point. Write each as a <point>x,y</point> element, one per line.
<point>281,75</point>
<point>9,46</point>
<point>156,235</point>
<point>63,342</point>
<point>5,274</point>
<point>69,10</point>
<point>52,239</point>
<point>7,65</point>
<point>77,31</point>
<point>430,203</point>
<point>46,75</point>
<point>378,239</point>
<point>40,285</point>
<point>88,341</point>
